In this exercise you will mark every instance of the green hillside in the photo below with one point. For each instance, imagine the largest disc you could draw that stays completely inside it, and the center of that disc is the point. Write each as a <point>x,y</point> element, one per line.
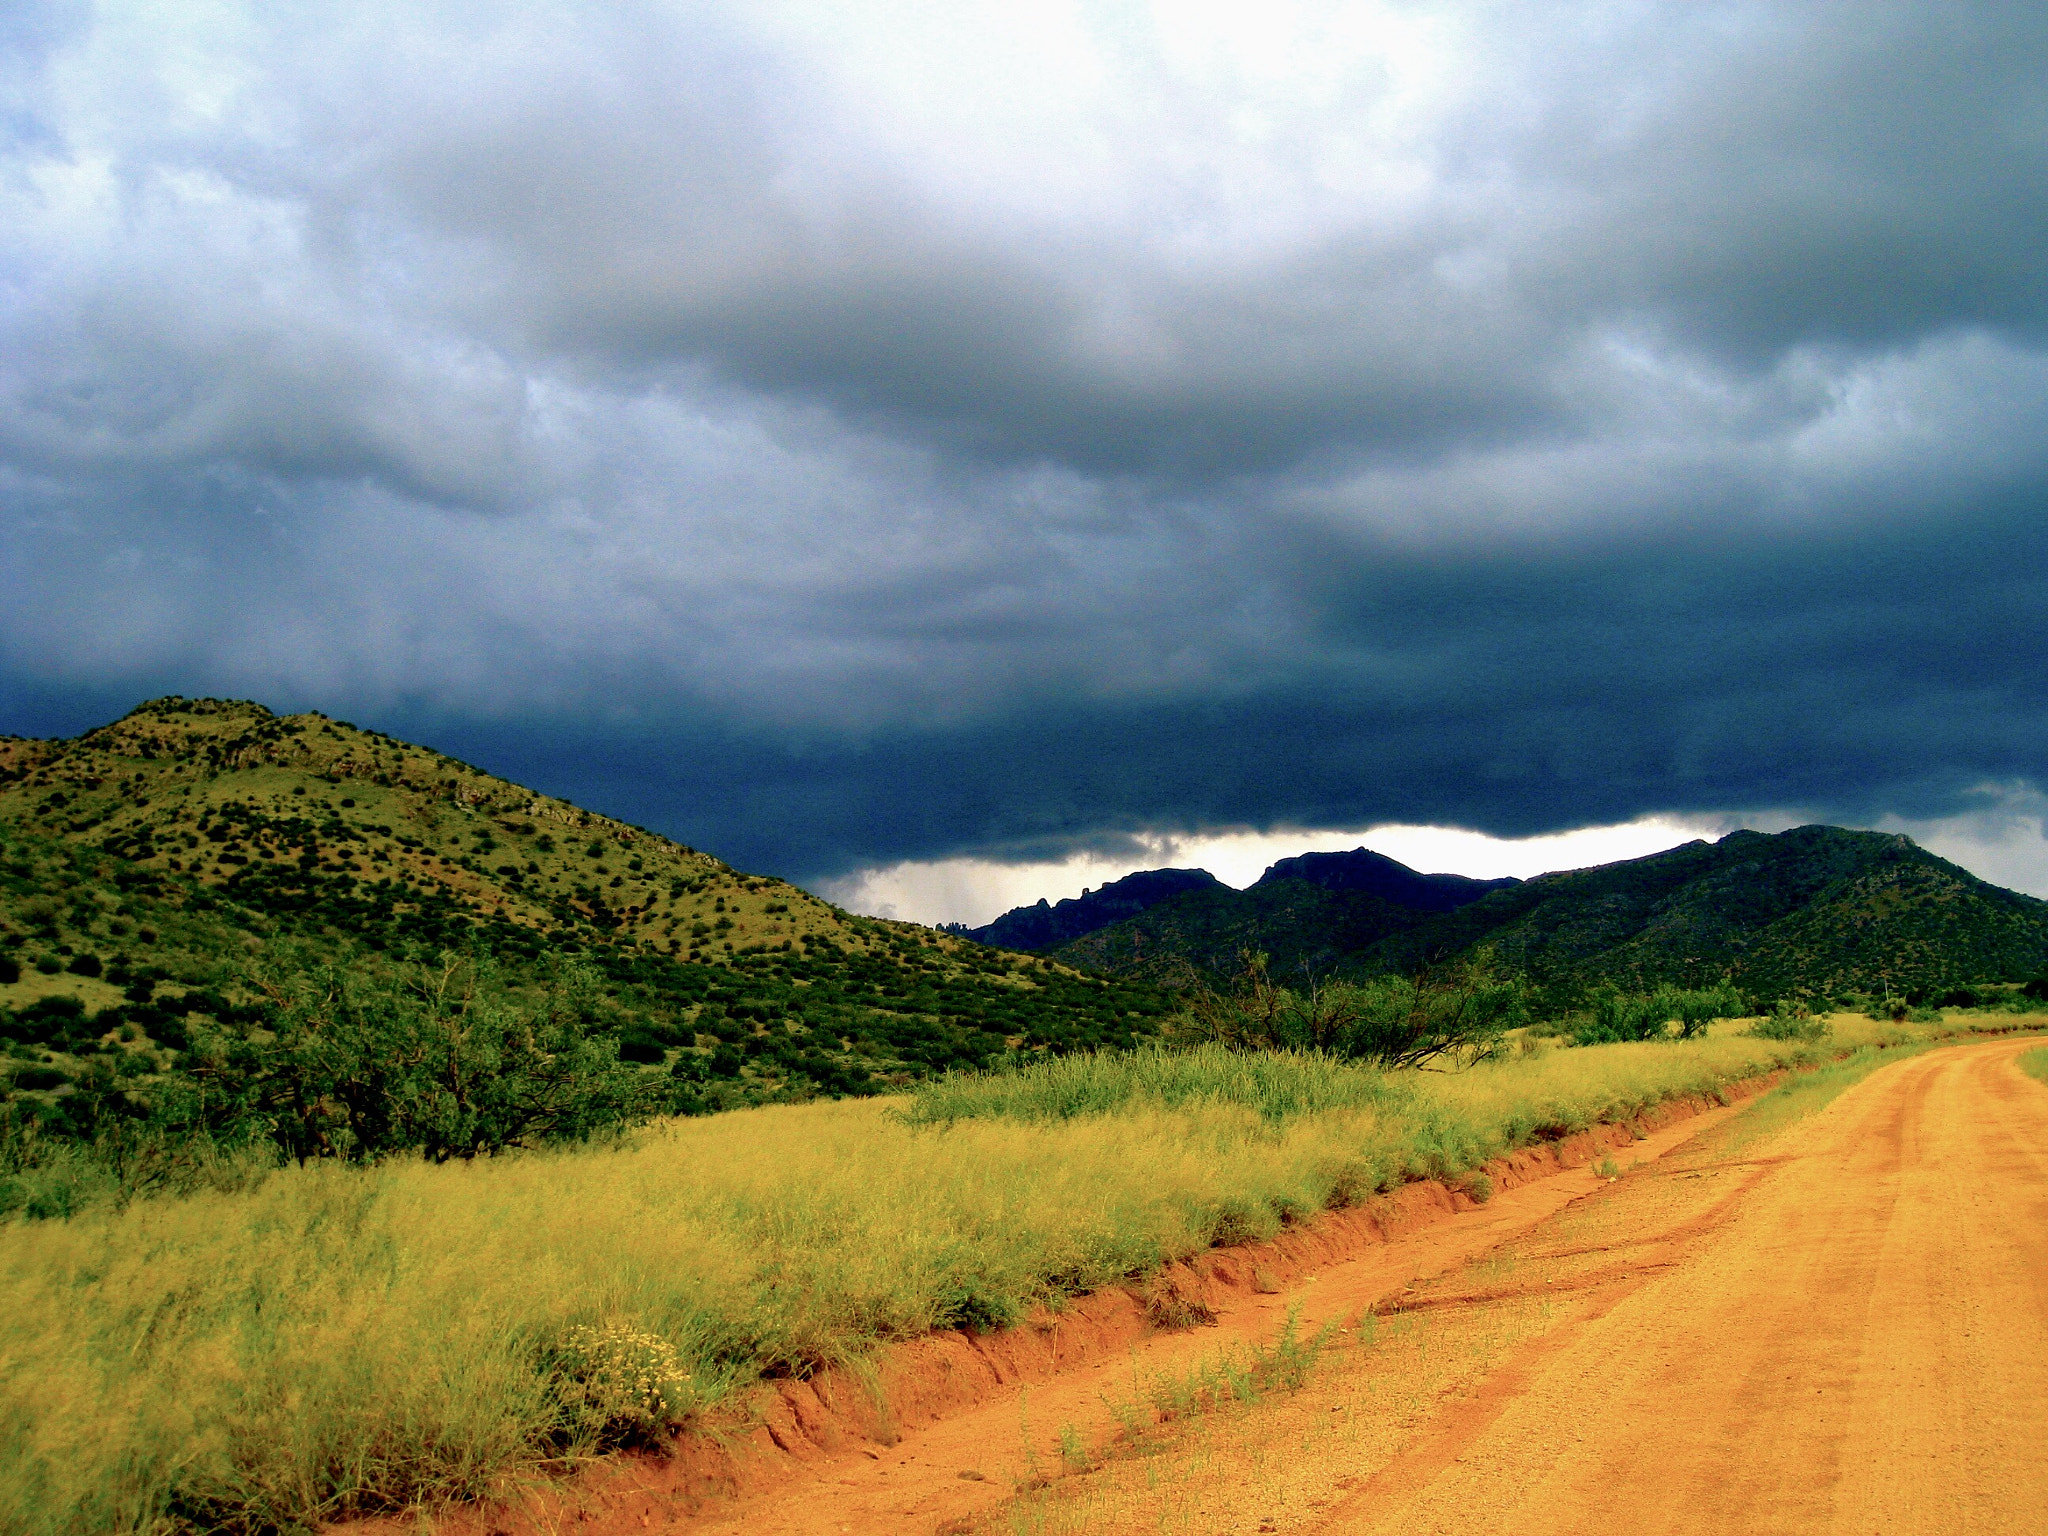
<point>1817,910</point>
<point>1197,937</point>
<point>151,868</point>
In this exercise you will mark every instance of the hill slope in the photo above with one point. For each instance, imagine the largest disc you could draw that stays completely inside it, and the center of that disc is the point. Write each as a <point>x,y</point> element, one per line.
<point>1820,910</point>
<point>143,864</point>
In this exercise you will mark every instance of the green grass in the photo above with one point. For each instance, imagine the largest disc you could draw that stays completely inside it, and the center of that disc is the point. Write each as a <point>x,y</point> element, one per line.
<point>335,1339</point>
<point>2035,1063</point>
<point>1278,1086</point>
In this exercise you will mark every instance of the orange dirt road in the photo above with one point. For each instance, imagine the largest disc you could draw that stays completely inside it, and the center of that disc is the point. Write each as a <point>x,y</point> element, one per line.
<point>1851,1336</point>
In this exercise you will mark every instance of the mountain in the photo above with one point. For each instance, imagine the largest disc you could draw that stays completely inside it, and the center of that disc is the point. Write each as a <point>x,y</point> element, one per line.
<point>145,864</point>
<point>1375,874</point>
<point>1041,927</point>
<point>1820,910</point>
<point>1313,910</point>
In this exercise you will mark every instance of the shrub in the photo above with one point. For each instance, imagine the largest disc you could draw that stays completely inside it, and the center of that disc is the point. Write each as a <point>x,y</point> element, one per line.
<point>641,1046</point>
<point>1458,1011</point>
<point>87,964</point>
<point>1790,1021</point>
<point>431,1063</point>
<point>616,1383</point>
<point>46,1019</point>
<point>10,970</point>
<point>1618,1015</point>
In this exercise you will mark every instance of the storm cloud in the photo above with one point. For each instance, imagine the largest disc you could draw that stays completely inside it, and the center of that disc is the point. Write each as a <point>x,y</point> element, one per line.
<point>842,435</point>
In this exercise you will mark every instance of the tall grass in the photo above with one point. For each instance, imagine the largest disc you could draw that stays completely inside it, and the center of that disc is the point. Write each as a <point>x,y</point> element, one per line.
<point>1276,1085</point>
<point>335,1339</point>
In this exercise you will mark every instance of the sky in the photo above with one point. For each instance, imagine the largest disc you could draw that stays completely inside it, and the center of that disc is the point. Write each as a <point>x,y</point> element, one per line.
<point>943,452</point>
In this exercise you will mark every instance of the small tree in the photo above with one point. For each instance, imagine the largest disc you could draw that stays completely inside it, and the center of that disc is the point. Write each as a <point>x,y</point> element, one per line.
<point>1618,1015</point>
<point>1455,1012</point>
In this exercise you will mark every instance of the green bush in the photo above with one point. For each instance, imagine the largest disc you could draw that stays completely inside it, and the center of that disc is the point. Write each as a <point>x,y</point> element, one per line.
<point>1790,1021</point>
<point>1458,1012</point>
<point>1618,1015</point>
<point>431,1061</point>
<point>641,1045</point>
<point>617,1384</point>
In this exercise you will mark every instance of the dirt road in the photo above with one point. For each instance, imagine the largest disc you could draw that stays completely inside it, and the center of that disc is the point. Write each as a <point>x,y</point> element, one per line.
<point>1854,1338</point>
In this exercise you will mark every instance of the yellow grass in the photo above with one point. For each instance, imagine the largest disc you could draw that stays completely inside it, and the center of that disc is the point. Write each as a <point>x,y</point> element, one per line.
<point>340,1339</point>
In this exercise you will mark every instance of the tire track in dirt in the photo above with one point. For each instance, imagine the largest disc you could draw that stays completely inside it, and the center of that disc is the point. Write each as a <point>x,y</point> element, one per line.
<point>1854,1340</point>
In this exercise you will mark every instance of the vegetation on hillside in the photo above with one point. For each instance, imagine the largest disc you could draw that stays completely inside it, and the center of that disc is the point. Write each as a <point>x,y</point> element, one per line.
<point>172,885</point>
<point>1818,913</point>
<point>1194,940</point>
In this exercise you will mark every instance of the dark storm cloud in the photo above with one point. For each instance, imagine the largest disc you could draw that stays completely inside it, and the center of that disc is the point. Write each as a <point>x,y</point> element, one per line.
<point>844,437</point>
<point>1864,683</point>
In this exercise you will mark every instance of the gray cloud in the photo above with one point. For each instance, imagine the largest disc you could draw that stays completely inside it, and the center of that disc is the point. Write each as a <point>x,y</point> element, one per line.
<point>897,433</point>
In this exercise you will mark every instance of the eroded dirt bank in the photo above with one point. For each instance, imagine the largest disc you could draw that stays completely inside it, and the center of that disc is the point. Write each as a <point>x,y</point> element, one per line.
<point>954,1424</point>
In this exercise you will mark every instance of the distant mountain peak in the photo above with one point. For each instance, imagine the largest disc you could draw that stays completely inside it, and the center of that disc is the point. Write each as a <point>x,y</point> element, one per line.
<point>1045,925</point>
<point>1377,875</point>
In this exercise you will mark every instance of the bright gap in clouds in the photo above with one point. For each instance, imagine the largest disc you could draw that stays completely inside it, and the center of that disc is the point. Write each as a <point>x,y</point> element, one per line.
<point>975,891</point>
